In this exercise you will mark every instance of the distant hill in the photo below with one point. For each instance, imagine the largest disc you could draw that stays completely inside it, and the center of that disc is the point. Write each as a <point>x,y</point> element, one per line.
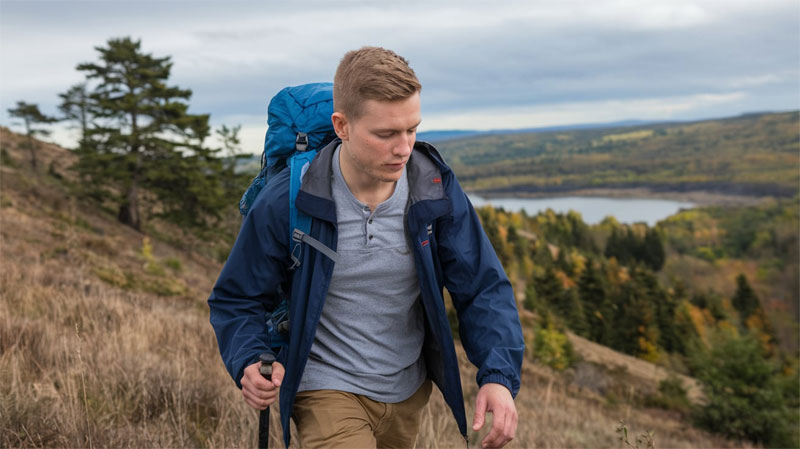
<point>439,136</point>
<point>753,154</point>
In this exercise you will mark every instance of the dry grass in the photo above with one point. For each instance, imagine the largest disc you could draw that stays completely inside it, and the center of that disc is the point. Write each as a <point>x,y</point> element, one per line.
<point>89,362</point>
<point>642,370</point>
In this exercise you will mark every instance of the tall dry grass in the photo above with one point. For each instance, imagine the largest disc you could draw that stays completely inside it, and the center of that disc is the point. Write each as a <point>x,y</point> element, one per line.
<point>92,363</point>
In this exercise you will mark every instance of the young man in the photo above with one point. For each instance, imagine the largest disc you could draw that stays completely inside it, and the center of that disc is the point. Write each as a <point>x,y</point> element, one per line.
<point>369,333</point>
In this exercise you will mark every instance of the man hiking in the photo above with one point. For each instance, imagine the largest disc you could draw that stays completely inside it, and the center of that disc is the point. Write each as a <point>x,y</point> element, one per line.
<point>368,334</point>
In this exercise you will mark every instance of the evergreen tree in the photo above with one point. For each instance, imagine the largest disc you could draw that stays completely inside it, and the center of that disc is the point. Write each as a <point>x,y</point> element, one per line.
<point>665,306</point>
<point>233,183</point>
<point>682,330</point>
<point>31,119</point>
<point>711,301</point>
<point>562,263</point>
<point>595,308</point>
<point>189,188</point>
<point>631,247</point>
<point>144,129</point>
<point>745,300</point>
<point>581,236</point>
<point>530,302</point>
<point>549,288</point>
<point>571,309</point>
<point>743,391</point>
<point>74,106</point>
<point>634,329</point>
<point>620,245</point>
<point>653,254</point>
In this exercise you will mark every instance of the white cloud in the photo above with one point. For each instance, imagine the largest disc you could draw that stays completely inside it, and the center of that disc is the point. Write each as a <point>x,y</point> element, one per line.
<point>530,63</point>
<point>576,112</point>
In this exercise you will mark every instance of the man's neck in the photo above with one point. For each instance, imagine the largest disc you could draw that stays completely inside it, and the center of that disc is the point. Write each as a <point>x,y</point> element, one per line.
<point>366,189</point>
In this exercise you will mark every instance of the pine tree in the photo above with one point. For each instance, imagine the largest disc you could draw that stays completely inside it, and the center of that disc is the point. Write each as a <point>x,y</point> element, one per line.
<point>144,128</point>
<point>653,254</point>
<point>233,183</point>
<point>634,329</point>
<point>31,119</point>
<point>548,287</point>
<point>74,106</point>
<point>745,299</point>
<point>571,309</point>
<point>595,308</point>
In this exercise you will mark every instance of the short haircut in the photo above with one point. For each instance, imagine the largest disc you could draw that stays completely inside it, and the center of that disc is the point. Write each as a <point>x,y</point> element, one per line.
<point>371,73</point>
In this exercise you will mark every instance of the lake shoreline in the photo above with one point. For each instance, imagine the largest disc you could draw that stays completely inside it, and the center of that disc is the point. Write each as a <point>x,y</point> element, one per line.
<point>698,197</point>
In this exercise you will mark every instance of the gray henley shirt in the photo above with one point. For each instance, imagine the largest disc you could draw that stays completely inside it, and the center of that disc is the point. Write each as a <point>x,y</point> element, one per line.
<point>370,334</point>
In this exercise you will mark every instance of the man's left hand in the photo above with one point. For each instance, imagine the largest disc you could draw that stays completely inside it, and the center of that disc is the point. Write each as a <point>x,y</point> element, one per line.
<point>495,398</point>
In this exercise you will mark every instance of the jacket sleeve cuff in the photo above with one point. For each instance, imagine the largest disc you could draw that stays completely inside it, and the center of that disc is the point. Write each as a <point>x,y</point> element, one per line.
<point>495,378</point>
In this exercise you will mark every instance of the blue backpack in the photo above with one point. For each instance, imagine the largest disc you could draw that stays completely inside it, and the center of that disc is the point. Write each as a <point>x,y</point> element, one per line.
<point>299,120</point>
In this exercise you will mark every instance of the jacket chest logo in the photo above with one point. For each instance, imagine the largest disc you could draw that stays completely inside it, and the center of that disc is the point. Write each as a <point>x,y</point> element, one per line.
<point>427,241</point>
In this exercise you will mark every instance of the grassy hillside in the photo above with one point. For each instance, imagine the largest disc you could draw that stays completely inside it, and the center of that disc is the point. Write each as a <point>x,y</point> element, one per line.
<point>747,155</point>
<point>105,341</point>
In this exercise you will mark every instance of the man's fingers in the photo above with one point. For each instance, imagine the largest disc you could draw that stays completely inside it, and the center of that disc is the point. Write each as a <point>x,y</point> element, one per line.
<point>504,426</point>
<point>254,378</point>
<point>260,395</point>
<point>496,437</point>
<point>259,399</point>
<point>278,371</point>
<point>510,428</point>
<point>257,391</point>
<point>480,412</point>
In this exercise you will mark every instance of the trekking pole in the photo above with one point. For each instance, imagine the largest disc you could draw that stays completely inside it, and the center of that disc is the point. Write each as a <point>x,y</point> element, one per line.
<point>263,418</point>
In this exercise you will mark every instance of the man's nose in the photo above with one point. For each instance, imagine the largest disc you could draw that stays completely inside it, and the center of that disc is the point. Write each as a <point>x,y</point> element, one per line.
<point>405,144</point>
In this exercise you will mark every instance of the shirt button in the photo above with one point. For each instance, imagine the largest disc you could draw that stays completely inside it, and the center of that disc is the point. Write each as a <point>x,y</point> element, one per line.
<point>366,208</point>
<point>370,221</point>
<point>370,236</point>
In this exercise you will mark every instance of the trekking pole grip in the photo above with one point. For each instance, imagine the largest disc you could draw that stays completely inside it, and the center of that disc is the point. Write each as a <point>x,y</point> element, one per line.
<point>267,359</point>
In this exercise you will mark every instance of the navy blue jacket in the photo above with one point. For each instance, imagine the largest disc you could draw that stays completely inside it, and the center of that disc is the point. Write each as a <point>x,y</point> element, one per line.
<point>450,250</point>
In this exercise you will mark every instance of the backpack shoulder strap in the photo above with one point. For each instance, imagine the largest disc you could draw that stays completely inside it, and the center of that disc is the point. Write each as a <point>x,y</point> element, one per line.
<point>298,164</point>
<point>300,223</point>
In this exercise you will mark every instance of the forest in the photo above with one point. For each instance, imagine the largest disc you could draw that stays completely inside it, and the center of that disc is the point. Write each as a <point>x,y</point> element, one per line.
<point>709,292</point>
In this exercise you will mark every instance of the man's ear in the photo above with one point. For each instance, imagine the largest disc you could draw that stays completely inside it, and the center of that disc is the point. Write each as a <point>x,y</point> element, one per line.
<point>340,125</point>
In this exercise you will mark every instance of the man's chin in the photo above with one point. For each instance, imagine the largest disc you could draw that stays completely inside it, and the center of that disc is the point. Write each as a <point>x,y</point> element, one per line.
<point>391,176</point>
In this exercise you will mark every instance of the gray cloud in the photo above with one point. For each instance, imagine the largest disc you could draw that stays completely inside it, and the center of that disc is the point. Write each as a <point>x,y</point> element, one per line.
<point>701,58</point>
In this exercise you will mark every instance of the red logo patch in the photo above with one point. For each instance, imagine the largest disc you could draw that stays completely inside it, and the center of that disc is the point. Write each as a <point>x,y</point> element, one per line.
<point>437,180</point>
<point>425,243</point>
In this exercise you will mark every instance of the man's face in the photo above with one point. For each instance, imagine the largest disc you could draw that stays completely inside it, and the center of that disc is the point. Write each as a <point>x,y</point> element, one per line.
<point>377,145</point>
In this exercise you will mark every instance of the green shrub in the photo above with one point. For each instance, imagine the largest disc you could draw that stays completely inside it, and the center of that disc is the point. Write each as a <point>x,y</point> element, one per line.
<point>745,396</point>
<point>552,348</point>
<point>671,396</point>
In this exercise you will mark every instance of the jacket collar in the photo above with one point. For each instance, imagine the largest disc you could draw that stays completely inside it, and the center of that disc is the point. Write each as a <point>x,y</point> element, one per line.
<point>424,170</point>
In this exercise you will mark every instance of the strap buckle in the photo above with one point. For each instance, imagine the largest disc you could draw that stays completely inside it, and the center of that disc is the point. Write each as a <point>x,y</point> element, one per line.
<point>301,142</point>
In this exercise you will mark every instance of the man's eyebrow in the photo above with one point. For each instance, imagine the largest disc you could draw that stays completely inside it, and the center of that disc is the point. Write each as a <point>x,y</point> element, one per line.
<point>386,130</point>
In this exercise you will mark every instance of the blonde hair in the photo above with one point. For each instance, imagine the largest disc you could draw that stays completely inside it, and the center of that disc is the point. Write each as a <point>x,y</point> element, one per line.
<point>371,73</point>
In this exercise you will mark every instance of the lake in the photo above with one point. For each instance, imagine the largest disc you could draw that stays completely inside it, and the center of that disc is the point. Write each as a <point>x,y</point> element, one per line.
<point>592,209</point>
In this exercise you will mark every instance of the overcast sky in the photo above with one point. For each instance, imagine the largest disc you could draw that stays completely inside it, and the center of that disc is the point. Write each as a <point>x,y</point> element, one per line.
<point>482,65</point>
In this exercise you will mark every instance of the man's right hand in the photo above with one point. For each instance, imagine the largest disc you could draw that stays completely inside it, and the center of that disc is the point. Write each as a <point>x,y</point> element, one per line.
<point>258,392</point>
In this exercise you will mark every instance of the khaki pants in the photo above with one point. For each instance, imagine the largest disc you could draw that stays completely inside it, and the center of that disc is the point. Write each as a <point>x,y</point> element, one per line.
<point>335,419</point>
